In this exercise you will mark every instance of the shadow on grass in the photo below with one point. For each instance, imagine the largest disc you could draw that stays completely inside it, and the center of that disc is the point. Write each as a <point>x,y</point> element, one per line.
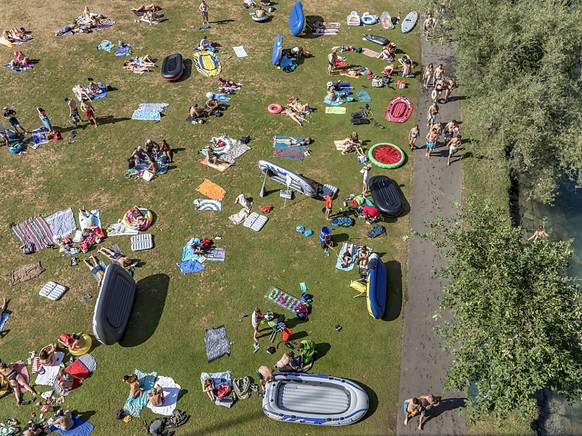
<point>147,309</point>
<point>182,393</point>
<point>322,349</point>
<point>373,400</point>
<point>187,71</point>
<point>394,298</point>
<point>85,416</point>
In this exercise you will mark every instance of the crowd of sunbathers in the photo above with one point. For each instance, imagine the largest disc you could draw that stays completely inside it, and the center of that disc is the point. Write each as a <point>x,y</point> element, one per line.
<point>84,24</point>
<point>150,14</point>
<point>152,157</point>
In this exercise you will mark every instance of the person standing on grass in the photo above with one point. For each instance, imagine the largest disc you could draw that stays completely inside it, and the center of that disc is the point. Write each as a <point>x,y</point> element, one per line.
<point>450,85</point>
<point>45,119</point>
<point>10,115</point>
<point>328,207</point>
<point>431,114</point>
<point>256,318</point>
<point>366,178</point>
<point>413,136</point>
<point>204,11</point>
<point>454,145</point>
<point>331,61</point>
<point>89,112</point>
<point>431,138</point>
<point>73,111</point>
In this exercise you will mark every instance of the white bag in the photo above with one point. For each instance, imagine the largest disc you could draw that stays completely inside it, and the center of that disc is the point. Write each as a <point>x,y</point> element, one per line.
<point>147,176</point>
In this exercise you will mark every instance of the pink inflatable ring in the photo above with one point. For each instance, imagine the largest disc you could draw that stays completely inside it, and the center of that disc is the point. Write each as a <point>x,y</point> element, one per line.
<point>275,108</point>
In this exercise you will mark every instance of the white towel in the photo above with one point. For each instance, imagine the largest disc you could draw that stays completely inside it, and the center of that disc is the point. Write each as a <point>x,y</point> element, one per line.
<point>171,391</point>
<point>49,376</point>
<point>240,51</point>
<point>62,223</point>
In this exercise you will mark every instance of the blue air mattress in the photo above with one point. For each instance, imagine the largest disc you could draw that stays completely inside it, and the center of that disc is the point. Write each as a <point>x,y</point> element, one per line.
<point>297,19</point>
<point>377,286</point>
<point>277,50</point>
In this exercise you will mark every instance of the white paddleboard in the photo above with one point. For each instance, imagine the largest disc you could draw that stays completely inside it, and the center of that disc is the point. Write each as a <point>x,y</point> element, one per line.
<point>409,22</point>
<point>386,21</point>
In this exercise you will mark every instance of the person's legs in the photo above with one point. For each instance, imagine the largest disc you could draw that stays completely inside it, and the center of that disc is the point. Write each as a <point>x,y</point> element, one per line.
<point>22,382</point>
<point>86,262</point>
<point>14,385</point>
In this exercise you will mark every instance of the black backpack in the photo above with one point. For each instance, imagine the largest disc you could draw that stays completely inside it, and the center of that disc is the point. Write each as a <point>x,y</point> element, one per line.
<point>377,230</point>
<point>358,121</point>
<point>27,248</point>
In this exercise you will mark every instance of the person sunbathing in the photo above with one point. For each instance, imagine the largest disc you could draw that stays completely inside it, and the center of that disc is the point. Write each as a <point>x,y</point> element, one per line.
<point>63,420</point>
<point>260,12</point>
<point>132,66</point>
<point>33,429</point>
<point>204,43</point>
<point>9,375</point>
<point>138,216</point>
<point>149,17</point>
<point>47,355</point>
<point>86,15</point>
<point>302,108</point>
<point>66,380</point>
<point>352,143</point>
<point>292,141</point>
<point>139,155</point>
<point>81,92</point>
<point>21,58</point>
<point>135,389</point>
<point>266,2</point>
<point>152,168</point>
<point>156,396</point>
<point>348,256</point>
<point>249,4</point>
<point>208,387</point>
<point>74,341</point>
<point>113,256</point>
<point>362,255</point>
<point>7,36</point>
<point>151,7</point>
<point>167,151</point>
<point>95,268</point>
<point>294,116</point>
<point>212,157</point>
<point>93,88</point>
<point>196,111</point>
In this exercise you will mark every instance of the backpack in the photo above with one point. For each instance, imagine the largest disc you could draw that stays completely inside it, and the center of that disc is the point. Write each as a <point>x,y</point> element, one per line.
<point>242,387</point>
<point>377,230</point>
<point>27,248</point>
<point>205,244</point>
<point>358,121</point>
<point>377,82</point>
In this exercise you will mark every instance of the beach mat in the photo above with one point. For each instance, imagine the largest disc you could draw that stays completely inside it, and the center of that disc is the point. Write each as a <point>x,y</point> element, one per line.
<point>216,254</point>
<point>79,428</point>
<point>335,110</point>
<point>24,273</point>
<point>34,231</point>
<point>205,204</point>
<point>39,137</point>
<point>282,299</point>
<point>211,190</point>
<point>217,343</point>
<point>370,53</point>
<point>240,51</point>
<point>289,153</point>
<point>363,96</point>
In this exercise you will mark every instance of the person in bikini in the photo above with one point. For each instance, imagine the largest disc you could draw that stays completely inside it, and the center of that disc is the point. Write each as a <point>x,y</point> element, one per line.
<point>294,116</point>
<point>118,258</point>
<point>450,85</point>
<point>47,355</point>
<point>15,380</point>
<point>413,136</point>
<point>454,144</point>
<point>208,387</point>
<point>95,268</point>
<point>427,75</point>
<point>347,256</point>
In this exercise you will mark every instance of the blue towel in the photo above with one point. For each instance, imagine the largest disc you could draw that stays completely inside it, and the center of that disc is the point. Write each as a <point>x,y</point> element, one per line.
<point>333,103</point>
<point>38,135</point>
<point>218,378</point>
<point>146,115</point>
<point>3,320</point>
<point>350,267</point>
<point>102,94</point>
<point>123,50</point>
<point>105,45</point>
<point>12,69</point>
<point>160,107</point>
<point>146,381</point>
<point>80,428</point>
<point>191,265</point>
<point>187,255</point>
<point>221,98</point>
<point>363,96</point>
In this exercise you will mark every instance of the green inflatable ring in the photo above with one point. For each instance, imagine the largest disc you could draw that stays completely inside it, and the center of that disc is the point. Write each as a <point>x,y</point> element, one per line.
<point>390,159</point>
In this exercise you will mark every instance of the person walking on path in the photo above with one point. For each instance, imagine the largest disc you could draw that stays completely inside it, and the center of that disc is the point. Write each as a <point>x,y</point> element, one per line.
<point>256,321</point>
<point>451,128</point>
<point>454,145</point>
<point>204,11</point>
<point>411,409</point>
<point>331,61</point>
<point>413,136</point>
<point>10,115</point>
<point>427,75</point>
<point>73,111</point>
<point>89,112</point>
<point>431,138</point>
<point>431,114</point>
<point>450,85</point>
<point>439,73</point>
<point>427,402</point>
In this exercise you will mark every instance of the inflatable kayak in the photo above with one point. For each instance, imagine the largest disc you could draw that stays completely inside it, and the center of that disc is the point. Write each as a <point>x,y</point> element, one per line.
<point>399,110</point>
<point>297,19</point>
<point>113,305</point>
<point>386,195</point>
<point>207,64</point>
<point>294,181</point>
<point>277,50</point>
<point>409,22</point>
<point>380,40</point>
<point>314,399</point>
<point>386,21</point>
<point>172,67</point>
<point>377,286</point>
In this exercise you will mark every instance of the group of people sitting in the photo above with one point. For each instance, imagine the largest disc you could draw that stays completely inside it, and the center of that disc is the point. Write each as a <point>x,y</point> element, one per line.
<point>152,157</point>
<point>83,24</point>
<point>20,62</point>
<point>148,14</point>
<point>15,35</point>
<point>155,396</point>
<point>359,256</point>
<point>140,64</point>
<point>197,114</point>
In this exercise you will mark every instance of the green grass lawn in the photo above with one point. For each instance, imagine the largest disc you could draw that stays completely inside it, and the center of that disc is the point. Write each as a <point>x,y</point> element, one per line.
<point>173,311</point>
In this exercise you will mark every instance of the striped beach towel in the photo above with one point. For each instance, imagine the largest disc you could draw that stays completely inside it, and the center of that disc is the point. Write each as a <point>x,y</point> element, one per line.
<point>283,299</point>
<point>34,231</point>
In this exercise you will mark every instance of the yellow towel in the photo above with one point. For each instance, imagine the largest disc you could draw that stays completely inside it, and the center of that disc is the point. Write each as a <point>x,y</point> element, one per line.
<point>211,190</point>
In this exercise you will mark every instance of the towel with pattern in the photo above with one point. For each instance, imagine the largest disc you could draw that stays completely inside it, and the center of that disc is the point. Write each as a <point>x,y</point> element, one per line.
<point>211,190</point>
<point>171,391</point>
<point>39,136</point>
<point>216,254</point>
<point>217,343</point>
<point>205,204</point>
<point>24,273</point>
<point>62,223</point>
<point>289,153</point>
<point>133,406</point>
<point>18,70</point>
<point>123,50</point>
<point>34,231</point>
<point>282,298</point>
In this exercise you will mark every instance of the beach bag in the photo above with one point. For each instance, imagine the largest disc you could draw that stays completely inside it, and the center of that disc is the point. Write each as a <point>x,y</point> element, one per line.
<point>223,390</point>
<point>242,387</point>
<point>401,84</point>
<point>377,82</point>
<point>205,244</point>
<point>27,248</point>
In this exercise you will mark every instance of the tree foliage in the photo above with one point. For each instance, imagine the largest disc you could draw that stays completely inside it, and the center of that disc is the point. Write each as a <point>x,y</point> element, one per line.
<point>511,314</point>
<point>520,63</point>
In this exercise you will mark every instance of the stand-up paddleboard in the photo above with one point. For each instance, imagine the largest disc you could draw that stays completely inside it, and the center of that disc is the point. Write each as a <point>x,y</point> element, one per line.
<point>380,40</point>
<point>277,50</point>
<point>409,22</point>
<point>399,110</point>
<point>297,19</point>
<point>386,21</point>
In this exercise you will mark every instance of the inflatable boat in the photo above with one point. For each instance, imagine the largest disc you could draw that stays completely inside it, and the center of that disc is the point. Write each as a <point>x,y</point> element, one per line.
<point>172,67</point>
<point>207,64</point>
<point>277,50</point>
<point>314,399</point>
<point>294,181</point>
<point>380,40</point>
<point>399,110</point>
<point>377,286</point>
<point>386,195</point>
<point>297,19</point>
<point>409,22</point>
<point>113,305</point>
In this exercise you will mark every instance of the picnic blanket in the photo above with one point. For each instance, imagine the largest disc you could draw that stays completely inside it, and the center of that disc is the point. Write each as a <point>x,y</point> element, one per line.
<point>35,231</point>
<point>123,50</point>
<point>370,53</point>
<point>20,368</point>
<point>217,343</point>
<point>350,266</point>
<point>363,96</point>
<point>171,391</point>
<point>3,319</point>
<point>283,299</point>
<point>133,406</point>
<point>218,378</point>
<point>205,204</point>
<point>216,254</point>
<point>149,111</point>
<point>47,374</point>
<point>335,110</point>
<point>190,266</point>
<point>211,190</point>
<point>105,45</point>
<point>39,136</point>
<point>288,153</point>
<point>79,428</point>
<point>89,218</point>
<point>240,51</point>
<point>62,223</point>
<point>24,273</point>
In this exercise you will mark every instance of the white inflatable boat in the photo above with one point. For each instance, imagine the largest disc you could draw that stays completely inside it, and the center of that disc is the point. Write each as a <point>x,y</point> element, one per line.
<point>314,399</point>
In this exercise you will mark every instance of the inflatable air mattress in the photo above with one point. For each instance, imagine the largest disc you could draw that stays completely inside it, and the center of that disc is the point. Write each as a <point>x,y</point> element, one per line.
<point>297,19</point>
<point>353,19</point>
<point>172,67</point>
<point>288,178</point>
<point>277,50</point>
<point>377,286</point>
<point>380,40</point>
<point>368,20</point>
<point>207,64</point>
<point>113,305</point>
<point>409,22</point>
<point>314,399</point>
<point>386,21</point>
<point>386,195</point>
<point>399,110</point>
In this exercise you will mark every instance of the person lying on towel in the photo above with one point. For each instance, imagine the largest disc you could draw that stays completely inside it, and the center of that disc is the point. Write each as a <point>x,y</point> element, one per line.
<point>228,86</point>
<point>348,256</point>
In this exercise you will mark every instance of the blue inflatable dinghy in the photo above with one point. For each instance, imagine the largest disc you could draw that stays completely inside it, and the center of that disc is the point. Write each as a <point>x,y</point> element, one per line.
<point>377,286</point>
<point>277,50</point>
<point>297,19</point>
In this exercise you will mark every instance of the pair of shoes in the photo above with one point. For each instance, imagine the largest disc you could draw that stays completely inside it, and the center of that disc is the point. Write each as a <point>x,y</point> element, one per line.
<point>256,348</point>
